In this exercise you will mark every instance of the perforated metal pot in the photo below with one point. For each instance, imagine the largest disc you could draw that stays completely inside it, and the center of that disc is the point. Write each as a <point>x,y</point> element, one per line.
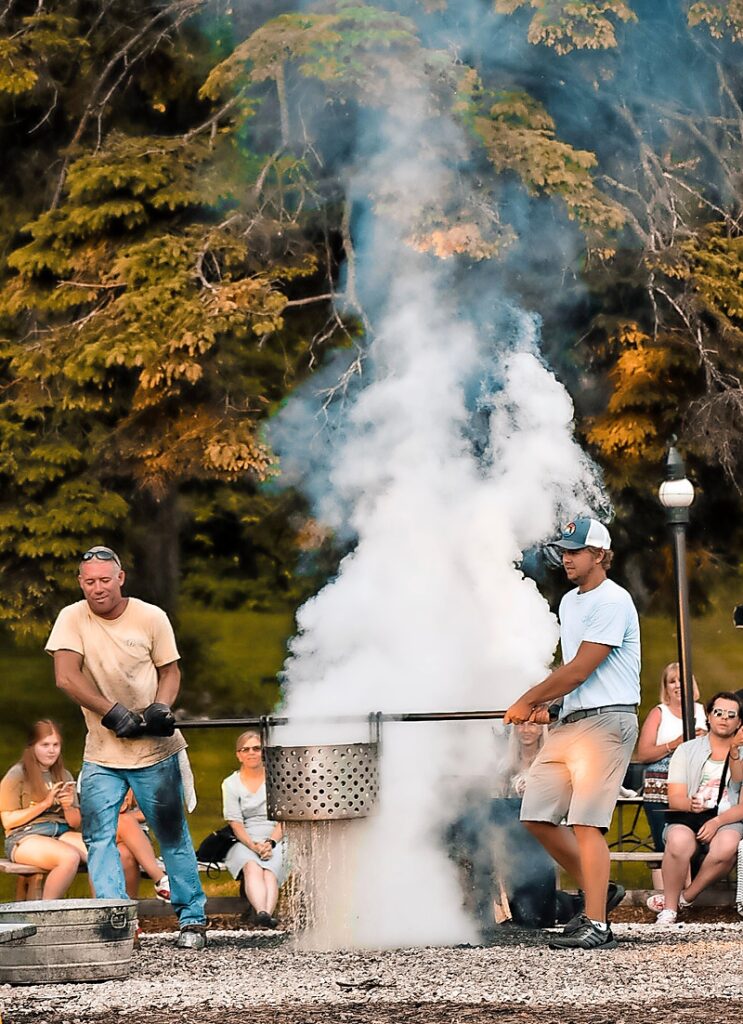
<point>321,783</point>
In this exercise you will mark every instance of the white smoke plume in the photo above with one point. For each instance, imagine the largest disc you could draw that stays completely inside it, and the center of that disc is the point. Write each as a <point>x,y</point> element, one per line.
<point>430,611</point>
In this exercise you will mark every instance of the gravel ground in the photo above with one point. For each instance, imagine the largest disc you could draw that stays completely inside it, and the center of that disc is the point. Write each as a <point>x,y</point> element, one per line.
<point>654,975</point>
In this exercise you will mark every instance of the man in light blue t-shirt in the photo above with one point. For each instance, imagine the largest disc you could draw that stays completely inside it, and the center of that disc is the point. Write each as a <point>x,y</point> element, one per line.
<point>573,784</point>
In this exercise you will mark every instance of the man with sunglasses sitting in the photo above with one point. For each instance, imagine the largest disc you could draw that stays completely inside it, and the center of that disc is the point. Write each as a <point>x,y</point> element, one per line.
<point>117,658</point>
<point>705,817</point>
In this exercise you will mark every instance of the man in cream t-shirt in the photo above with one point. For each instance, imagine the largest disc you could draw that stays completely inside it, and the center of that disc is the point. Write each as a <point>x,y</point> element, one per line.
<point>117,658</point>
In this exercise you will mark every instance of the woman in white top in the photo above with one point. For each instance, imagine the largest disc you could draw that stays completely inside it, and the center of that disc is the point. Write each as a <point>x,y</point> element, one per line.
<point>661,733</point>
<point>524,743</point>
<point>258,855</point>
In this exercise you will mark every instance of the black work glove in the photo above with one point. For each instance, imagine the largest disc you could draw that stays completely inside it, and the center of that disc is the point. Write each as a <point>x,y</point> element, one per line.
<point>125,723</point>
<point>159,720</point>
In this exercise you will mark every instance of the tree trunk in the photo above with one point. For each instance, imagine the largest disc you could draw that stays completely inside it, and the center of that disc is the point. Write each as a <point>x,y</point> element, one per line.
<point>155,574</point>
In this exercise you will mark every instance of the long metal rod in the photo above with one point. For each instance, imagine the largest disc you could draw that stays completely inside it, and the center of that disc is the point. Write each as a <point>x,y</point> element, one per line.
<point>271,721</point>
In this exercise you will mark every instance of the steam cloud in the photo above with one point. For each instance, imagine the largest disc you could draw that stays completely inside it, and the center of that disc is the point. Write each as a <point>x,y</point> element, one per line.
<point>454,456</point>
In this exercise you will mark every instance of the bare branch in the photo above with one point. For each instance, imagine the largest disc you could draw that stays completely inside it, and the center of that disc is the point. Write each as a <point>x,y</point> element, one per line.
<point>213,122</point>
<point>283,106</point>
<point>88,284</point>
<point>48,114</point>
<point>328,297</point>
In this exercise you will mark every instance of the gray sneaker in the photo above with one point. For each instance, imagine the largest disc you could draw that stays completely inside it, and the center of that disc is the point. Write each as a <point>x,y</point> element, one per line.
<point>587,936</point>
<point>614,896</point>
<point>192,936</point>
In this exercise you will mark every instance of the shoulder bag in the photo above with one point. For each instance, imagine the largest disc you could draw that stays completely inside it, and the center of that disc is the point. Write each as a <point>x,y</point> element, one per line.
<point>695,819</point>
<point>215,847</point>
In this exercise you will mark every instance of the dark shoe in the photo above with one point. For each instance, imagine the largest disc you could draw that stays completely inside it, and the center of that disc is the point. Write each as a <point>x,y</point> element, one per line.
<point>574,924</point>
<point>614,896</point>
<point>192,936</point>
<point>264,919</point>
<point>587,936</point>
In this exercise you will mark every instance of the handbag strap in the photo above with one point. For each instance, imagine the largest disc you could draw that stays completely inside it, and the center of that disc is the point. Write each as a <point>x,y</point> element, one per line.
<point>723,780</point>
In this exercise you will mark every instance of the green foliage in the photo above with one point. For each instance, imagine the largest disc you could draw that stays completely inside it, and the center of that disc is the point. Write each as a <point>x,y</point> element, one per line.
<point>142,335</point>
<point>519,136</point>
<point>569,25</point>
<point>365,56</point>
<point>28,56</point>
<point>711,263</point>
<point>649,377</point>
<point>352,45</point>
<point>172,225</point>
<point>158,315</point>
<point>723,19</point>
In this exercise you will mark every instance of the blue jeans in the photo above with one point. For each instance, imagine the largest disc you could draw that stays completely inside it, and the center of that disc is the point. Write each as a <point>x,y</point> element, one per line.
<point>158,790</point>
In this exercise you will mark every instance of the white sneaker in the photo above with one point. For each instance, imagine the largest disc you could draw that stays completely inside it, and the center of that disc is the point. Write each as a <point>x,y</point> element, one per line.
<point>657,902</point>
<point>666,917</point>
<point>162,889</point>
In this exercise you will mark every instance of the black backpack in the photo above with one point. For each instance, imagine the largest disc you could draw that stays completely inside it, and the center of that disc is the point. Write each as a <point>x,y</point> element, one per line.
<point>213,849</point>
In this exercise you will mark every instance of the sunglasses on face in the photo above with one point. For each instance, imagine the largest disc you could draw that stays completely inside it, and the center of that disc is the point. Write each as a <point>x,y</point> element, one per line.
<point>102,554</point>
<point>248,750</point>
<point>720,713</point>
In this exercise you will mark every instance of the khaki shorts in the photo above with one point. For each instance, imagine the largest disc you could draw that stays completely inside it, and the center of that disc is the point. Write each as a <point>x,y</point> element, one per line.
<point>577,774</point>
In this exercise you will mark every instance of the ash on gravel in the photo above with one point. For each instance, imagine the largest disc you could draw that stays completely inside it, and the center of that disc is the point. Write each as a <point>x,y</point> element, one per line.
<point>423,1013</point>
<point>687,973</point>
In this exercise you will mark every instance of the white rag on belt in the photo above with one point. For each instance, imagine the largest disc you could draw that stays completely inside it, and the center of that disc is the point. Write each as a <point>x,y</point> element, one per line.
<point>189,787</point>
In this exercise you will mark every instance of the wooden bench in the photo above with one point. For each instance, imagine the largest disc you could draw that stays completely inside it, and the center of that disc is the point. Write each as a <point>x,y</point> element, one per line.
<point>647,856</point>
<point>30,881</point>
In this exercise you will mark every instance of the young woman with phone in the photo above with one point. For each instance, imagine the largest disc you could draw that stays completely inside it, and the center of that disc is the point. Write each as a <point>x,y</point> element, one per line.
<point>39,812</point>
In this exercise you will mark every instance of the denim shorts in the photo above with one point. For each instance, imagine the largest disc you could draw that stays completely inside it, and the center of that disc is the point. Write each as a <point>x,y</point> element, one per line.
<point>52,829</point>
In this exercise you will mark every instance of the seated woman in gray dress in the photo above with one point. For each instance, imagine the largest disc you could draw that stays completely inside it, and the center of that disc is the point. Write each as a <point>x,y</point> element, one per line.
<point>259,853</point>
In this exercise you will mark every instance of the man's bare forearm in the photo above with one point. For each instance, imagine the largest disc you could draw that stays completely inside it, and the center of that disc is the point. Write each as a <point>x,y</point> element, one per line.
<point>561,681</point>
<point>81,691</point>
<point>168,683</point>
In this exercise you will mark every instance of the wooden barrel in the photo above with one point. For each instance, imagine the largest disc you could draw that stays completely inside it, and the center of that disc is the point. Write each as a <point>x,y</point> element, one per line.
<point>75,940</point>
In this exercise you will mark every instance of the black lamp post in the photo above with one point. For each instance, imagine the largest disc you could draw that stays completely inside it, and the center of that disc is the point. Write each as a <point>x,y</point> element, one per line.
<point>676,494</point>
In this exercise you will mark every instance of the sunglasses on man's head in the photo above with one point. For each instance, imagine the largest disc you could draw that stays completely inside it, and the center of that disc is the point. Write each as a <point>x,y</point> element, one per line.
<point>721,713</point>
<point>102,554</point>
<point>248,750</point>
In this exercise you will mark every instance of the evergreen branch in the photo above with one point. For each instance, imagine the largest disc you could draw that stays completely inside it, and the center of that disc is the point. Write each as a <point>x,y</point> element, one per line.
<point>182,9</point>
